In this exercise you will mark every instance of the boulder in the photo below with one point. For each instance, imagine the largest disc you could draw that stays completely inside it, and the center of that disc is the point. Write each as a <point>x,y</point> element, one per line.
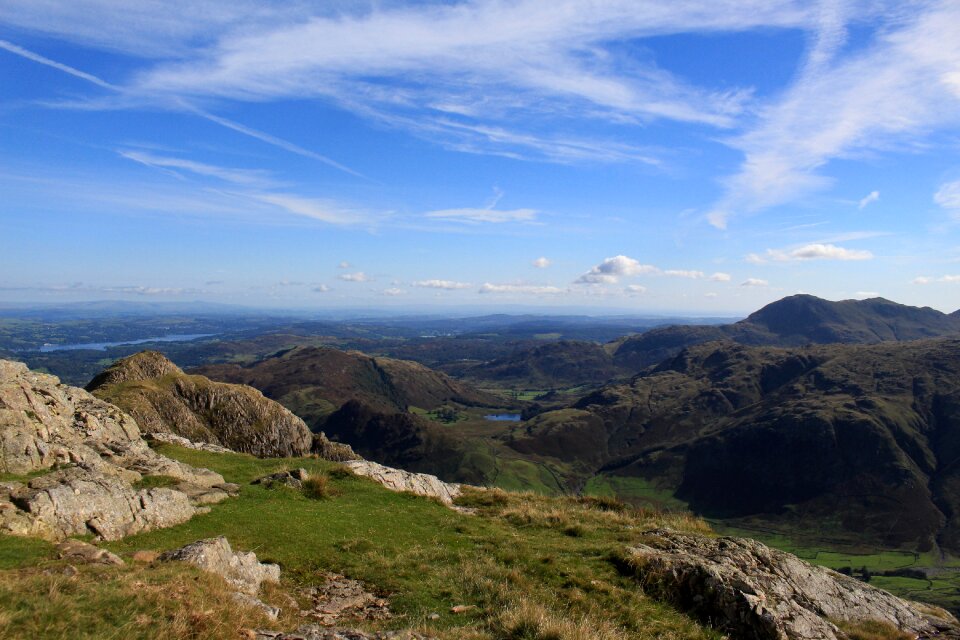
<point>79,551</point>
<point>758,593</point>
<point>78,501</point>
<point>293,479</point>
<point>422,484</point>
<point>241,570</point>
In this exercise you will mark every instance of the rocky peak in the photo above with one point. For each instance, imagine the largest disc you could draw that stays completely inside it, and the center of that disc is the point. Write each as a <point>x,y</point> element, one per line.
<point>139,366</point>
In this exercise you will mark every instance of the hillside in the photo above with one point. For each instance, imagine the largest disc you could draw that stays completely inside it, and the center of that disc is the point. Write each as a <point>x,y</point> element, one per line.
<point>794,321</point>
<point>860,436</point>
<point>551,365</point>
<point>315,381</point>
<point>163,399</point>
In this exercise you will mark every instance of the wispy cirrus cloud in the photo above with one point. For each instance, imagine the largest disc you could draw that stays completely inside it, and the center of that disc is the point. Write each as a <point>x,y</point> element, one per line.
<point>483,77</point>
<point>893,92</point>
<point>948,195</point>
<point>868,199</point>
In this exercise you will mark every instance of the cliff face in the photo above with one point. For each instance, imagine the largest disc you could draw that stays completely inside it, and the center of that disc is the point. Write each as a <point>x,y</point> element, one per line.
<point>164,399</point>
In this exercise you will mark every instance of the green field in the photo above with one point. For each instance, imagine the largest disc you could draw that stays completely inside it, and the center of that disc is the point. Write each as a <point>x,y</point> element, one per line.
<point>534,567</point>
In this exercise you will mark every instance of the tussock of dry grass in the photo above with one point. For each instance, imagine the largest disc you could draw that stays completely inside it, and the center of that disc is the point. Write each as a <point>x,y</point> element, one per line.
<point>872,630</point>
<point>131,602</point>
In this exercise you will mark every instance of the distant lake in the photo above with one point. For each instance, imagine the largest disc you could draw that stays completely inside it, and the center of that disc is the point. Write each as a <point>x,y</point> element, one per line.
<point>100,346</point>
<point>503,417</point>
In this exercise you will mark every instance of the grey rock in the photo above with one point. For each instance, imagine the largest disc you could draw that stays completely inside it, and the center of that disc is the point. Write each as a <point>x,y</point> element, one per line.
<point>94,453</point>
<point>241,570</point>
<point>80,501</point>
<point>246,599</point>
<point>293,479</point>
<point>422,484</point>
<point>180,441</point>
<point>759,593</point>
<point>79,551</point>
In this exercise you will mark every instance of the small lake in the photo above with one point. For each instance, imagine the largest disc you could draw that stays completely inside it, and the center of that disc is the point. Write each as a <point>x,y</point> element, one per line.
<point>100,346</point>
<point>503,417</point>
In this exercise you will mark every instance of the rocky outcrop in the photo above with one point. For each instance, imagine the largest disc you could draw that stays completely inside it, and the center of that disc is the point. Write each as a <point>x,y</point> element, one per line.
<point>240,570</point>
<point>94,455</point>
<point>758,593</point>
<point>422,484</point>
<point>164,399</point>
<point>293,479</point>
<point>79,551</point>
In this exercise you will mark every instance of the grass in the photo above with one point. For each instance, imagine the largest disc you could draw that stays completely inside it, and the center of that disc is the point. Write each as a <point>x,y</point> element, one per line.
<point>532,566</point>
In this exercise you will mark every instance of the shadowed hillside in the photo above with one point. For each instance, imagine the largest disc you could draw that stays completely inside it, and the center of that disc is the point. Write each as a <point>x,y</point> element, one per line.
<point>865,436</point>
<point>315,381</point>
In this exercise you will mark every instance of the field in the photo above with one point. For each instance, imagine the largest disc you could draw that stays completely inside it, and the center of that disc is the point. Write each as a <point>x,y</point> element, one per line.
<point>532,567</point>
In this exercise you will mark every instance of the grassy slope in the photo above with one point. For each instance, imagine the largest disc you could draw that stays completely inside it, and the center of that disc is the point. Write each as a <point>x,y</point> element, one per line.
<point>535,567</point>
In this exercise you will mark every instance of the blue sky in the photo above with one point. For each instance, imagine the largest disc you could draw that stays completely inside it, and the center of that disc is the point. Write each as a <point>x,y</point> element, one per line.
<point>706,157</point>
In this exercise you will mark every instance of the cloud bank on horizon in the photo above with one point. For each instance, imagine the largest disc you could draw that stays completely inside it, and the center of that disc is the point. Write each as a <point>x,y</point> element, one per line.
<point>690,155</point>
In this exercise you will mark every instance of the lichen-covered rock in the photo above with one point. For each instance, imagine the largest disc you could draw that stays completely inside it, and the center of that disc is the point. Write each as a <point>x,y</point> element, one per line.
<point>241,570</point>
<point>79,501</point>
<point>164,399</point>
<point>180,441</point>
<point>79,551</point>
<point>293,478</point>
<point>422,484</point>
<point>94,453</point>
<point>759,593</point>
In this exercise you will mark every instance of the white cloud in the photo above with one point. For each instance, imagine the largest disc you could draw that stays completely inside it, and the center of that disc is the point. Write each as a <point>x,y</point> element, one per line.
<point>635,289</point>
<point>873,196</point>
<point>951,279</point>
<point>896,89</point>
<point>520,289</point>
<point>476,216</point>
<point>541,263</point>
<point>817,251</point>
<point>948,195</point>
<point>441,284</point>
<point>720,277</point>
<point>321,288</point>
<point>682,273</point>
<point>358,276</point>
<point>710,294</point>
<point>754,282</point>
<point>393,291</point>
<point>612,269</point>
<point>343,265</point>
<point>474,63</point>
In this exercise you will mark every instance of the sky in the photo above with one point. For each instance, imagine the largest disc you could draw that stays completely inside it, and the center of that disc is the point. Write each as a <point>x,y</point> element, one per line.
<point>688,156</point>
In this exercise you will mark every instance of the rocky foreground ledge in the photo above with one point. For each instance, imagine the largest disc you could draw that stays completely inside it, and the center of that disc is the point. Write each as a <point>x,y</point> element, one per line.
<point>93,457</point>
<point>759,593</point>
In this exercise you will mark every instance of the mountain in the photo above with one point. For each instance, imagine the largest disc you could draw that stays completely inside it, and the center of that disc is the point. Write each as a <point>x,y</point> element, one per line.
<point>793,321</point>
<point>565,363</point>
<point>865,436</point>
<point>162,398</point>
<point>315,381</point>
